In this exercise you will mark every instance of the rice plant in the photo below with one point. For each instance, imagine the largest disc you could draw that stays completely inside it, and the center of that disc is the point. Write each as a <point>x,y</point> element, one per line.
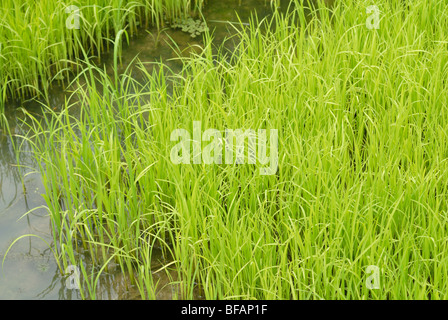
<point>362,121</point>
<point>41,41</point>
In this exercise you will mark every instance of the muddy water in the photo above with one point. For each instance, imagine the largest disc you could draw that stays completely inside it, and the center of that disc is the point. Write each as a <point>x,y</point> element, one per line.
<point>30,270</point>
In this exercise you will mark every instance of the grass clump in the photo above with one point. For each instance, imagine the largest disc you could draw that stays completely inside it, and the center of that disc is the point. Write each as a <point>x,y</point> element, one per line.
<point>41,41</point>
<point>362,119</point>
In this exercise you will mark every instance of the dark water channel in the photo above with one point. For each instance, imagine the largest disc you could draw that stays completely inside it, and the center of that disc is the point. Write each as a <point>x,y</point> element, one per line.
<point>30,270</point>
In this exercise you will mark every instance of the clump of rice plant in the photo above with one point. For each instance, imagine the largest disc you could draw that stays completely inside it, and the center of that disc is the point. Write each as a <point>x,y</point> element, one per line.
<point>362,120</point>
<point>41,41</point>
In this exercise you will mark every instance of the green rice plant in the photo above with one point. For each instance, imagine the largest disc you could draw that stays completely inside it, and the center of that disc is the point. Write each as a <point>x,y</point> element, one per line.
<point>41,41</point>
<point>362,122</point>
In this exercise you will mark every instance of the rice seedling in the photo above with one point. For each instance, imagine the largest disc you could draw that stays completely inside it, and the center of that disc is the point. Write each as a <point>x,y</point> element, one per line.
<point>361,116</point>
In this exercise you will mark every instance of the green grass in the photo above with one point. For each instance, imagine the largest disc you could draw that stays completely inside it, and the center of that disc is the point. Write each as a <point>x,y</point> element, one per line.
<point>362,119</point>
<point>40,43</point>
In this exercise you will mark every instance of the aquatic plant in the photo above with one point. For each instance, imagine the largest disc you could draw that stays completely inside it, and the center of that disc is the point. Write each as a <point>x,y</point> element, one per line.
<point>193,27</point>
